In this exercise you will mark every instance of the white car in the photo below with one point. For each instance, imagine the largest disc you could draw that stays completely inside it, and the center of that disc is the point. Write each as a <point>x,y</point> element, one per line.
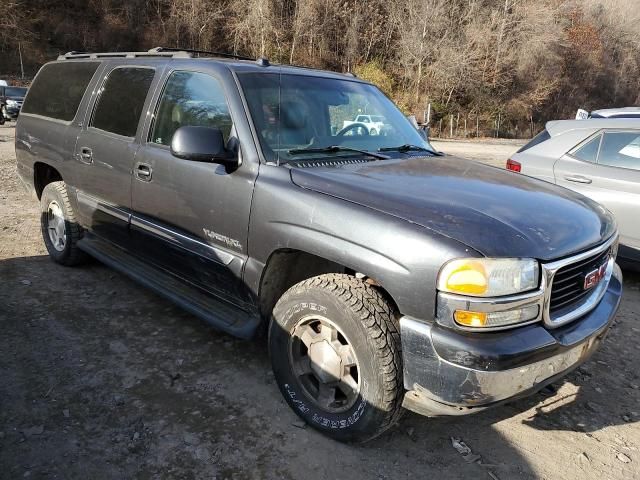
<point>597,157</point>
<point>373,123</point>
<point>624,112</point>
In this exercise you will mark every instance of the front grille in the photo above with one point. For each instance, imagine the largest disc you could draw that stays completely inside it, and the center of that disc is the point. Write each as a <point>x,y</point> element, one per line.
<point>568,282</point>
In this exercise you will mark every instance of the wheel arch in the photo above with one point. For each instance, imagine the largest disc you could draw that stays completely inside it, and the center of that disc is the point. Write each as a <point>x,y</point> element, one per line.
<point>287,266</point>
<point>44,174</point>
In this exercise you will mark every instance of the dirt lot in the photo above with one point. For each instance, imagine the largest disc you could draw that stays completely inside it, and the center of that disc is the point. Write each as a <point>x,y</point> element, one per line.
<point>493,152</point>
<point>100,378</point>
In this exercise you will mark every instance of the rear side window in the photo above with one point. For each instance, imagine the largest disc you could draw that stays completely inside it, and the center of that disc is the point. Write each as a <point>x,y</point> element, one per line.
<point>620,149</point>
<point>121,100</point>
<point>58,89</point>
<point>589,151</point>
<point>543,136</point>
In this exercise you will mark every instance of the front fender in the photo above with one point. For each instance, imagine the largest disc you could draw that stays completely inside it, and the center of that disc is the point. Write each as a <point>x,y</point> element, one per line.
<point>404,258</point>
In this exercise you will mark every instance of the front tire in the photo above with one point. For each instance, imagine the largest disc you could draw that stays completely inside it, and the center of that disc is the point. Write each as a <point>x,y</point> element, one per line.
<point>336,355</point>
<point>60,230</point>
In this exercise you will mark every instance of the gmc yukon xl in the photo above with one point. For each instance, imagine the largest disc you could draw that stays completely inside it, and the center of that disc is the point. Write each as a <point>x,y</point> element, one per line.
<point>385,275</point>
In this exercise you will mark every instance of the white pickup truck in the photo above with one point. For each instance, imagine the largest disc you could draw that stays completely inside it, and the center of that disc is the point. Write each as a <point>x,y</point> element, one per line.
<point>374,123</point>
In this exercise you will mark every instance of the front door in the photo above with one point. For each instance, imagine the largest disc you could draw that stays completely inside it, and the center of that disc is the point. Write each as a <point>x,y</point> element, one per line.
<point>607,169</point>
<point>105,151</point>
<point>189,217</point>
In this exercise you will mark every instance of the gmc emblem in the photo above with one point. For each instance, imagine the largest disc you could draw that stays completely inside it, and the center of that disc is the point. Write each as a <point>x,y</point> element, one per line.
<point>591,279</point>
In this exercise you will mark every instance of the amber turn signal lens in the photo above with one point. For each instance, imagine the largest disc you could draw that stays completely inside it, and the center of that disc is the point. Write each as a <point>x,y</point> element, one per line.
<point>470,319</point>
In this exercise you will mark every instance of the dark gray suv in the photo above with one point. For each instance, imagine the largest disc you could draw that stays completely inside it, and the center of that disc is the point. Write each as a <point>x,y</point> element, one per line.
<point>386,276</point>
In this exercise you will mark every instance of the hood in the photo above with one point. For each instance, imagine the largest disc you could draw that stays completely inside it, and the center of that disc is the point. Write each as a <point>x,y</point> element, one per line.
<point>496,212</point>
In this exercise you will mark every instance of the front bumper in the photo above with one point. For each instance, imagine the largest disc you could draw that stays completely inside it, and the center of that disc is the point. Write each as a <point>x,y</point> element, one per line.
<point>447,372</point>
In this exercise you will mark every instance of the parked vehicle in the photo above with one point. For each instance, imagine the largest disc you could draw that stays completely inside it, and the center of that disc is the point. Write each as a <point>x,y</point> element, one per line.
<point>11,99</point>
<point>599,158</point>
<point>624,112</point>
<point>386,276</point>
<point>371,124</point>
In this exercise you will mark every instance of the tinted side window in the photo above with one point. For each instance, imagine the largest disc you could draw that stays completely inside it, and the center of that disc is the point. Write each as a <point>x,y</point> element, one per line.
<point>543,136</point>
<point>58,89</point>
<point>193,99</point>
<point>121,100</point>
<point>589,151</point>
<point>620,149</point>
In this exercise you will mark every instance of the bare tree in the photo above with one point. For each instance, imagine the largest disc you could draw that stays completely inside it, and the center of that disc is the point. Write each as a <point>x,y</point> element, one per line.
<point>194,21</point>
<point>527,59</point>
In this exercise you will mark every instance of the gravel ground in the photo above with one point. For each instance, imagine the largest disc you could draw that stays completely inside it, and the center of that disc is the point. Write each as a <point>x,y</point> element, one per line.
<point>491,151</point>
<point>101,379</point>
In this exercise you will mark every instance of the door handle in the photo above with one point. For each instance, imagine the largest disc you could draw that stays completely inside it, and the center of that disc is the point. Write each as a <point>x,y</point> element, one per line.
<point>577,179</point>
<point>86,155</point>
<point>143,172</point>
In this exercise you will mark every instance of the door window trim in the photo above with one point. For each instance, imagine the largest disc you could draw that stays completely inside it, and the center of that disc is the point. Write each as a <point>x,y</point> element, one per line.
<point>601,132</point>
<point>155,103</point>
<point>616,130</point>
<point>572,152</point>
<point>98,94</point>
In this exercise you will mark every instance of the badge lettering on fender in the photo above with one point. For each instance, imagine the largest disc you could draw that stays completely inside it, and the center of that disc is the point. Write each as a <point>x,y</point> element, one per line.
<point>230,242</point>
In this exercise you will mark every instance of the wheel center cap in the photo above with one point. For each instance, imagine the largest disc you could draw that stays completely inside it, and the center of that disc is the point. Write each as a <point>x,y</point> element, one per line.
<point>325,362</point>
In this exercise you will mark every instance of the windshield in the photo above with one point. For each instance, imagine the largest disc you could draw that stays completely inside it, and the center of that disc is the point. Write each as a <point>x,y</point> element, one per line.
<point>15,91</point>
<point>295,112</point>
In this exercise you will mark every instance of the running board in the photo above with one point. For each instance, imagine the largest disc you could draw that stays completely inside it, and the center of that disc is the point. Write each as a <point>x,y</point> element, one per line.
<point>225,317</point>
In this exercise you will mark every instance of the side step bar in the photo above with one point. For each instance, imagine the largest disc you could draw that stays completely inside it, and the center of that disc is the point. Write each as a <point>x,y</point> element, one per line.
<point>221,316</point>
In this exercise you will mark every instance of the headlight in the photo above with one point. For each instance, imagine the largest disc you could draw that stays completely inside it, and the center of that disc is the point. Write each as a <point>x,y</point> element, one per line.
<point>489,277</point>
<point>11,103</point>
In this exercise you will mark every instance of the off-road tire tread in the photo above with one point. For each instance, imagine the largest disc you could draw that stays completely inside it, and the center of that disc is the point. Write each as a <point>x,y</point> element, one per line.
<point>381,321</point>
<point>74,230</point>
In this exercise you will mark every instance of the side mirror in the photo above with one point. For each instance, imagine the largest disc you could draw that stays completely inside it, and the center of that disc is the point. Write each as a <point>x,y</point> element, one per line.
<point>201,144</point>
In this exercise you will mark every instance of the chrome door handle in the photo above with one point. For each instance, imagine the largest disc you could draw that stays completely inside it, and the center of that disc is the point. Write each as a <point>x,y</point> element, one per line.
<point>577,179</point>
<point>86,155</point>
<point>143,172</point>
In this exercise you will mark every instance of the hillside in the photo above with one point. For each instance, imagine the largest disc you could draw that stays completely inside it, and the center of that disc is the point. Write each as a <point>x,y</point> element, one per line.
<point>519,62</point>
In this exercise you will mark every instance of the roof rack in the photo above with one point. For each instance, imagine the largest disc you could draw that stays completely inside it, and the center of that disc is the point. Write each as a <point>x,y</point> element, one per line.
<point>200,52</point>
<point>150,53</point>
<point>154,52</point>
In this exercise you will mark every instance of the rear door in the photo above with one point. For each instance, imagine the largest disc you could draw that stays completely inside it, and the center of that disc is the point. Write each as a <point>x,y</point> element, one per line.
<point>606,168</point>
<point>106,148</point>
<point>191,218</point>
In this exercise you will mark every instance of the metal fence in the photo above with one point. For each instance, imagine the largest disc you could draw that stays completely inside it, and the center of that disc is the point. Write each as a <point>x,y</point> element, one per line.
<point>477,125</point>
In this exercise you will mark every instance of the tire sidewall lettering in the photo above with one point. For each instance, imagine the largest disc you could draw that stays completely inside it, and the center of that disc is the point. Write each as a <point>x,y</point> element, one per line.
<point>320,419</point>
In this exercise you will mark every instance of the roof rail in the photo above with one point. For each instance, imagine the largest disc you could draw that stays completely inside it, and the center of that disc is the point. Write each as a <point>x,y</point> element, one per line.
<point>199,52</point>
<point>150,53</point>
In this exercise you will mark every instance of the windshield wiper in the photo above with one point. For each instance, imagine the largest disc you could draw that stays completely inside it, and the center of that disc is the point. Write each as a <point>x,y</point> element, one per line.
<point>334,149</point>
<point>408,147</point>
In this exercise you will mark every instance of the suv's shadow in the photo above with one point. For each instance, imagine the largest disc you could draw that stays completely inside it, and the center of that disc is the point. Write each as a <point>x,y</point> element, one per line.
<point>126,385</point>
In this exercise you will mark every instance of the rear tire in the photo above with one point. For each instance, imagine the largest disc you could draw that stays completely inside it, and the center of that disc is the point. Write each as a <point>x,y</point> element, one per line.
<point>60,230</point>
<point>335,349</point>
